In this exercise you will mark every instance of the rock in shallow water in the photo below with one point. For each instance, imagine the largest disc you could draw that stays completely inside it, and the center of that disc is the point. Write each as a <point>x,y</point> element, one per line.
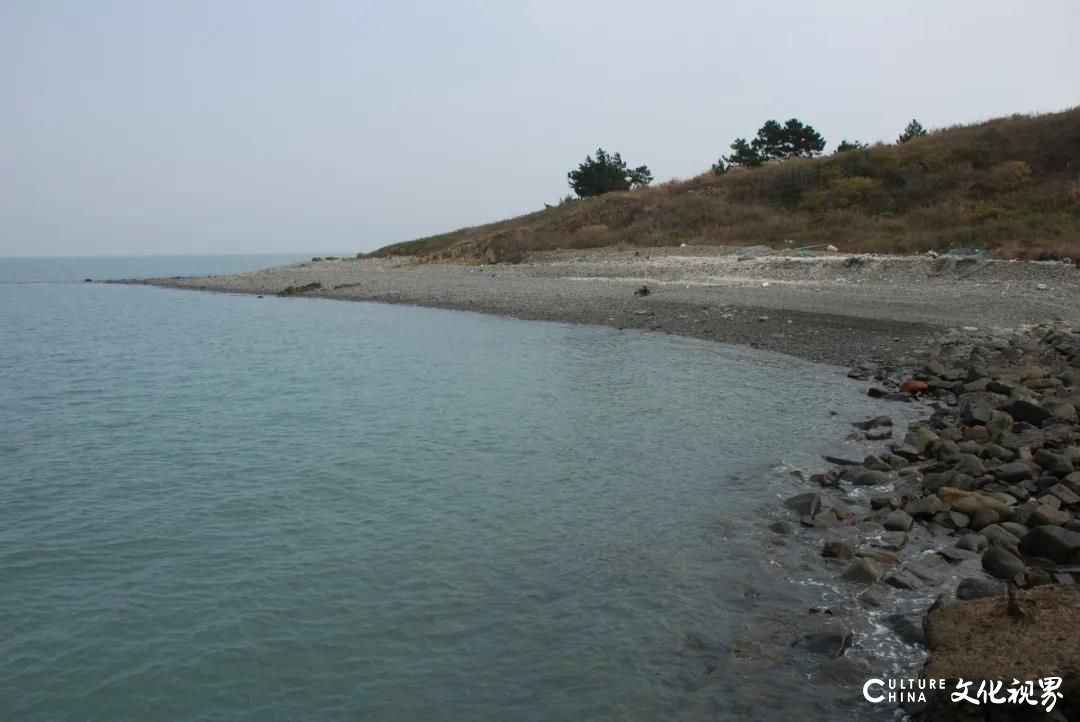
<point>908,627</point>
<point>864,571</point>
<point>831,643</point>
<point>898,520</point>
<point>807,504</point>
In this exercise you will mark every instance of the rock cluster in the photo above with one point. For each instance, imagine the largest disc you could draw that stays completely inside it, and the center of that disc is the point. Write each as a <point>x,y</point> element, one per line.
<point>996,465</point>
<point>992,471</point>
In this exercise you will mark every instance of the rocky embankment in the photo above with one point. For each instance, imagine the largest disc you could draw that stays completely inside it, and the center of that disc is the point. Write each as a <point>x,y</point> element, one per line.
<point>992,476</point>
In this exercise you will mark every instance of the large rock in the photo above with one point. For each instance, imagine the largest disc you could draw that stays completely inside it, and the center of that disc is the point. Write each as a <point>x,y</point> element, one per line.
<point>864,571</point>
<point>1058,465</point>
<point>925,507</point>
<point>807,504</point>
<point>1013,472</point>
<point>978,588</point>
<point>997,534</point>
<point>973,542</point>
<point>1002,563</point>
<point>898,520</point>
<point>1067,496</point>
<point>970,502</point>
<point>1051,542</point>
<point>837,550</point>
<point>1046,515</point>
<point>1028,411</point>
<point>908,627</point>
<point>919,438</point>
<point>983,517</point>
<point>870,477</point>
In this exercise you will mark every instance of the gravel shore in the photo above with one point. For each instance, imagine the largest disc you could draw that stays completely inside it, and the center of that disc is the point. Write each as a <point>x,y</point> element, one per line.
<point>833,308</point>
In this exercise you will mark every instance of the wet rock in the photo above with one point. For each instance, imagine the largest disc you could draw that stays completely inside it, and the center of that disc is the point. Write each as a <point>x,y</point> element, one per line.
<point>973,542</point>
<point>781,527</point>
<point>892,541</point>
<point>1002,563</point>
<point>870,477</point>
<point>883,501</point>
<point>877,421</point>
<point>953,555</point>
<point>1051,542</point>
<point>831,643</point>
<point>919,438</point>
<point>908,627</point>
<point>837,550</point>
<point>882,557</point>
<point>864,571</point>
<point>874,598</point>
<point>979,588</point>
<point>925,507</point>
<point>845,671</point>
<point>879,433</point>
<point>898,520</point>
<point>807,504</point>
<point>876,464</point>
<point>904,579</point>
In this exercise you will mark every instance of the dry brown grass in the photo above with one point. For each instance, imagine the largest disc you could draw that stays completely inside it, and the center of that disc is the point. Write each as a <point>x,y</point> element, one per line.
<point>1011,185</point>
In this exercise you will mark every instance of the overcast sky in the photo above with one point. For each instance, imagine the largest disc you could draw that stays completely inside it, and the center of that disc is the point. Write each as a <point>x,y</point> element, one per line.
<point>342,125</point>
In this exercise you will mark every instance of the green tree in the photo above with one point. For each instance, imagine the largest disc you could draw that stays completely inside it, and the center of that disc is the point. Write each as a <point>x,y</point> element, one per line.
<point>793,139</point>
<point>606,173</point>
<point>846,145</point>
<point>914,129</point>
<point>744,154</point>
<point>719,167</point>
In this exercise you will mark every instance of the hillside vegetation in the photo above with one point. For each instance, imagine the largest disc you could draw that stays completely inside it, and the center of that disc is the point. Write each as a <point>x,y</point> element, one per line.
<point>1010,185</point>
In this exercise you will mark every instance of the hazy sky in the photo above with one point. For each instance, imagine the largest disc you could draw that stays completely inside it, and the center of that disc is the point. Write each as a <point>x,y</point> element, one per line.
<point>253,125</point>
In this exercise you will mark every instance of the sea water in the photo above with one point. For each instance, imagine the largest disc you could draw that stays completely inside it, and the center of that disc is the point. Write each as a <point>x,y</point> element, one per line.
<point>221,507</point>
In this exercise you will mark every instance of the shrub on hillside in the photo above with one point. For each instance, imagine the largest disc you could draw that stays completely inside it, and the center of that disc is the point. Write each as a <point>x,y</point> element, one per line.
<point>848,145</point>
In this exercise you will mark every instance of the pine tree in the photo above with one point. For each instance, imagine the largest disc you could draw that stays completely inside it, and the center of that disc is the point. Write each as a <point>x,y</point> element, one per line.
<point>606,173</point>
<point>914,129</point>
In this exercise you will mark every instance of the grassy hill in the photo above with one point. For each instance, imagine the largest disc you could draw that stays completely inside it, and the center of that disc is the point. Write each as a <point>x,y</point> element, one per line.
<point>1010,185</point>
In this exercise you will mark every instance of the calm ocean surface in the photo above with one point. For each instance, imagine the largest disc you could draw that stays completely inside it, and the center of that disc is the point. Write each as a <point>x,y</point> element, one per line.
<point>221,507</point>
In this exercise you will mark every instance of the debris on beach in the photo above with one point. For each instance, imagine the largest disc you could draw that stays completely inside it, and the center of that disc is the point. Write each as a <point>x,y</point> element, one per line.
<point>642,291</point>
